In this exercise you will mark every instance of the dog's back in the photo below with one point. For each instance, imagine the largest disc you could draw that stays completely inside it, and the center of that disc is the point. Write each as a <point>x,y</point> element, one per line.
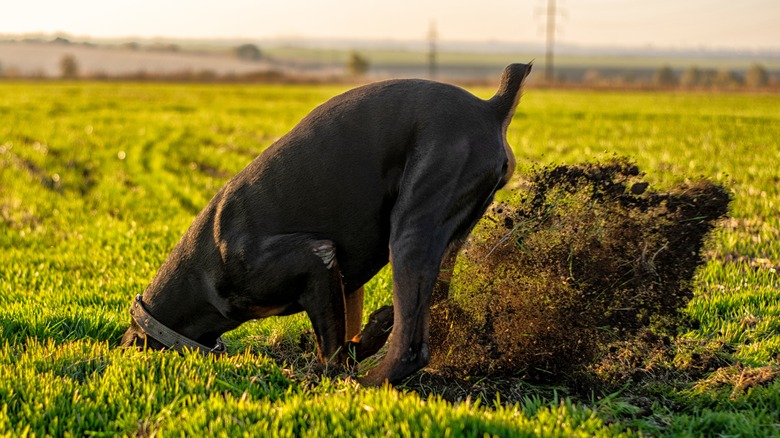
<point>337,174</point>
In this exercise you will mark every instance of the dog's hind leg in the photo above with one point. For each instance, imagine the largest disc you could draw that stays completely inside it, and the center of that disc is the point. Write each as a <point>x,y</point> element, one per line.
<point>429,215</point>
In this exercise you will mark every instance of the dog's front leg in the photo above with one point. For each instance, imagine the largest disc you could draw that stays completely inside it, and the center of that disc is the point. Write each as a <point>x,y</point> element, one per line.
<point>373,336</point>
<point>324,303</point>
<point>288,273</point>
<point>366,342</point>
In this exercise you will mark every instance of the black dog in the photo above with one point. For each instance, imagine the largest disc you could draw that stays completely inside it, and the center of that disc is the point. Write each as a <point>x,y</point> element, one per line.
<point>396,170</point>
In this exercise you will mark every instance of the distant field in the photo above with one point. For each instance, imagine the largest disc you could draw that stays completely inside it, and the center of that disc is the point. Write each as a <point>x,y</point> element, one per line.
<point>41,59</point>
<point>99,181</point>
<point>466,60</point>
<point>485,67</point>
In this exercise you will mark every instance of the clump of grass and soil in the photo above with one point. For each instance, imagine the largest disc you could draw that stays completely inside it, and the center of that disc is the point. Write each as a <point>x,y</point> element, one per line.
<point>579,277</point>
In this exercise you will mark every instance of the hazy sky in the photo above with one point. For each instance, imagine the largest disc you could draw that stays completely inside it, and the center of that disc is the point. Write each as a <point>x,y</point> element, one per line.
<point>660,23</point>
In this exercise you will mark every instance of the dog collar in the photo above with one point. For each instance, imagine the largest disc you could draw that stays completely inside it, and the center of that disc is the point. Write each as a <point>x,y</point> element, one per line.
<point>164,335</point>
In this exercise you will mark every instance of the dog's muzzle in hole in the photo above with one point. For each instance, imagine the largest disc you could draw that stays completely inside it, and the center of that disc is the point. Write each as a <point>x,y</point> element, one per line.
<point>164,335</point>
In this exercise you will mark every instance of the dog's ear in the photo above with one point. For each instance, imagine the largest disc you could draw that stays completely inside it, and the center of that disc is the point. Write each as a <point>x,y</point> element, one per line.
<point>508,95</point>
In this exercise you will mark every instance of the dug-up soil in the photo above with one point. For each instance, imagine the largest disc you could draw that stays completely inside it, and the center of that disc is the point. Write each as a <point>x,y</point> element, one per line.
<point>556,282</point>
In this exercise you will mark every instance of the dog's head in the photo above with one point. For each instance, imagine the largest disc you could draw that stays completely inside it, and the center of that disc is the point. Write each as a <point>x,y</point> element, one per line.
<point>136,337</point>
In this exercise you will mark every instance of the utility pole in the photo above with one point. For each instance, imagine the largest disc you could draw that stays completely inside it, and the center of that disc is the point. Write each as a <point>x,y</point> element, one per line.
<point>548,57</point>
<point>552,13</point>
<point>432,36</point>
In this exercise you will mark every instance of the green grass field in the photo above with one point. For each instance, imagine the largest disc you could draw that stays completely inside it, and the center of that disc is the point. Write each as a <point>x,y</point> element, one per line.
<point>98,182</point>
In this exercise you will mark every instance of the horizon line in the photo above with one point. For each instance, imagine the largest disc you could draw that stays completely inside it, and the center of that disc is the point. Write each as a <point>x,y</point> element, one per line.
<point>363,41</point>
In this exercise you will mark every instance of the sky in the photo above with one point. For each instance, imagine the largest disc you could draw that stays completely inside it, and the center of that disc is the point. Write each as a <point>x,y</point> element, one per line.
<point>712,24</point>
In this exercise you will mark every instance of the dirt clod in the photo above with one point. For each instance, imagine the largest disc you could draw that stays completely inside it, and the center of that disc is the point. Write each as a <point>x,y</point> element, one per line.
<point>585,258</point>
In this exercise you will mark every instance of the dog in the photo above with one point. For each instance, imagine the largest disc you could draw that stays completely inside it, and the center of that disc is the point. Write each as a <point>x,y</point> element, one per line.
<point>396,171</point>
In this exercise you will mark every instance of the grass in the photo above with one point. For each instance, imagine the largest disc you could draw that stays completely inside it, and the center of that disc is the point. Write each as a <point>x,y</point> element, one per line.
<point>98,182</point>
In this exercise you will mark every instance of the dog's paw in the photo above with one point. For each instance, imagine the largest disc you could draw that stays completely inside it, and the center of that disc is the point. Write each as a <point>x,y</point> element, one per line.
<point>374,377</point>
<point>373,336</point>
<point>376,331</point>
<point>380,323</point>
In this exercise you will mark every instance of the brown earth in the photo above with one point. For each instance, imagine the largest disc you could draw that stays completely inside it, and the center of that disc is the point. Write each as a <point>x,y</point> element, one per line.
<point>578,278</point>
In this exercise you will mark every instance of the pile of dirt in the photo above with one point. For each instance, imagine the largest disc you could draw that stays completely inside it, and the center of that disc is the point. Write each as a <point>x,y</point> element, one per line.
<point>584,259</point>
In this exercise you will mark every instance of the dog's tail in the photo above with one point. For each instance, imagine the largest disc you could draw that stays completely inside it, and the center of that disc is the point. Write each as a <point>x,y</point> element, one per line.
<point>508,95</point>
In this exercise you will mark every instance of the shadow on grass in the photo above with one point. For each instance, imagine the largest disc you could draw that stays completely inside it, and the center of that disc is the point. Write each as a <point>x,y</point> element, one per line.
<point>17,329</point>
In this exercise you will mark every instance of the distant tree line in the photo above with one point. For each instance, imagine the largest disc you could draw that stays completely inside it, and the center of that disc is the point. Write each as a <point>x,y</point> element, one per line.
<point>756,76</point>
<point>357,65</point>
<point>693,77</point>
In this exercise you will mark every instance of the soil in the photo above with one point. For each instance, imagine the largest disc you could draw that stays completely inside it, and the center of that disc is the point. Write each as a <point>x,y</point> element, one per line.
<point>577,281</point>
